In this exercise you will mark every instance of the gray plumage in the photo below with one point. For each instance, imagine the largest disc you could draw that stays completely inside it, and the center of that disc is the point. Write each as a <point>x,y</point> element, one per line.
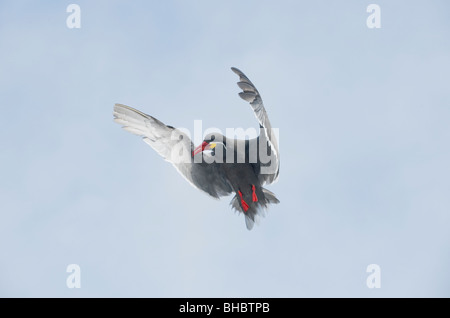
<point>216,179</point>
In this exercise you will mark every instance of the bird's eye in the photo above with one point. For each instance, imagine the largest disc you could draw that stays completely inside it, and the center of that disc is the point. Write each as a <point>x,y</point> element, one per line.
<point>213,137</point>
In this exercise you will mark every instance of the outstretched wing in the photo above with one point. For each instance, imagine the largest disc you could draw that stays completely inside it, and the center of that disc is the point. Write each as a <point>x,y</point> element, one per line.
<point>174,146</point>
<point>270,170</point>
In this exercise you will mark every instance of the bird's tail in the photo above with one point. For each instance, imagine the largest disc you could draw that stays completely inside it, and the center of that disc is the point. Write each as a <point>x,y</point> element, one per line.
<point>255,209</point>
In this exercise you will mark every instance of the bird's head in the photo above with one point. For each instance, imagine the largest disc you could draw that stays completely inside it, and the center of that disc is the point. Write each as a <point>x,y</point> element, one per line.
<point>209,143</point>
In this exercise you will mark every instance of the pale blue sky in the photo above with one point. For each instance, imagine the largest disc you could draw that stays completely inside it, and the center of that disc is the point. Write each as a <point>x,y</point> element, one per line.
<point>364,128</point>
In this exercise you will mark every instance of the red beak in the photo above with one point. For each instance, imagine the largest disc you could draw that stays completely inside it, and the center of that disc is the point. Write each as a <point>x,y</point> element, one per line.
<point>200,148</point>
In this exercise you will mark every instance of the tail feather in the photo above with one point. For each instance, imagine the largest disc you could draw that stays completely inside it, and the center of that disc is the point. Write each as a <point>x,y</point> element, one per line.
<point>270,196</point>
<point>249,222</point>
<point>257,209</point>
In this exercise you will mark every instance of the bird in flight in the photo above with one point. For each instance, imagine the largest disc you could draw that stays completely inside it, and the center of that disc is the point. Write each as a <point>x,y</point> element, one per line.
<point>219,166</point>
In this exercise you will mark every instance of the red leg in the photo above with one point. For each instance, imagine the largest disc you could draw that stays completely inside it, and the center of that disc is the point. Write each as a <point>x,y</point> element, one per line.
<point>243,203</point>
<point>254,197</point>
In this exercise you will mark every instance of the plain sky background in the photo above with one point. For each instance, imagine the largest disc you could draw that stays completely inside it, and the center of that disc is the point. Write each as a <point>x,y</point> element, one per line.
<point>364,128</point>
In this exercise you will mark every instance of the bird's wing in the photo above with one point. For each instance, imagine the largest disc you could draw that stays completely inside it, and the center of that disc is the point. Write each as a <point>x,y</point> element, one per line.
<point>269,170</point>
<point>174,146</point>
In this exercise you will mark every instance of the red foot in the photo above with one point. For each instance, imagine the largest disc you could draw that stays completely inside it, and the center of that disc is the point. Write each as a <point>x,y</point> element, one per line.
<point>243,203</point>
<point>254,197</point>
